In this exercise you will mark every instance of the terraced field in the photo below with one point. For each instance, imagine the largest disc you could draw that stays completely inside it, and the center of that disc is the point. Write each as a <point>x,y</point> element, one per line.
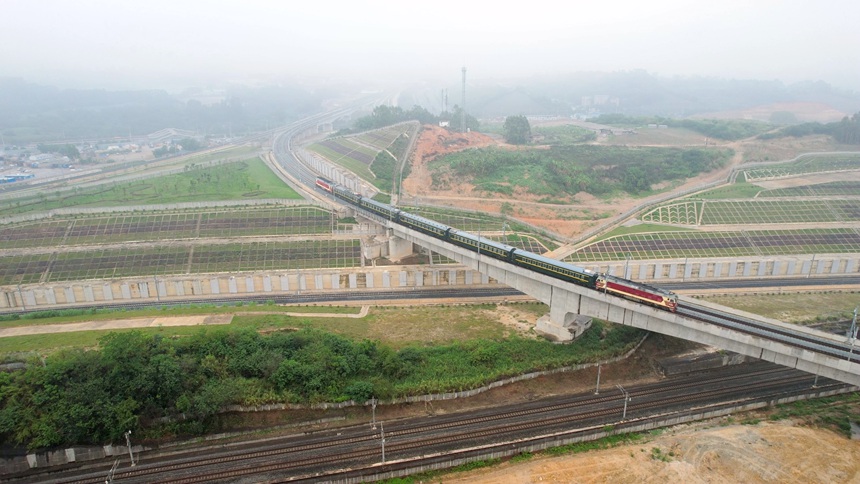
<point>114,228</point>
<point>783,211</point>
<point>357,152</point>
<point>335,149</point>
<point>807,164</point>
<point>178,258</point>
<point>668,245</point>
<point>755,211</point>
<point>380,138</point>
<point>834,189</point>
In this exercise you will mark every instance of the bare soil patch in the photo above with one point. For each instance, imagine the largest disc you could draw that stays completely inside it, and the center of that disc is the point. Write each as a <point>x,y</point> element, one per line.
<point>780,149</point>
<point>802,111</point>
<point>582,213</point>
<point>434,142</point>
<point>764,453</point>
<point>117,324</point>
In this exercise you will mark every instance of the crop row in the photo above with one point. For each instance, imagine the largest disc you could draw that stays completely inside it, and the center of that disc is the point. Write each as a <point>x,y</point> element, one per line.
<point>178,259</point>
<point>834,189</point>
<point>667,245</point>
<point>159,226</point>
<point>381,138</point>
<point>756,211</point>
<point>807,164</point>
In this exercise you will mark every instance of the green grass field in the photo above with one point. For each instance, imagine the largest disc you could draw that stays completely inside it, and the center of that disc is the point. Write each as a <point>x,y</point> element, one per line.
<point>641,229</point>
<point>735,190</point>
<point>815,163</point>
<point>245,180</point>
<point>355,166</point>
<point>396,326</point>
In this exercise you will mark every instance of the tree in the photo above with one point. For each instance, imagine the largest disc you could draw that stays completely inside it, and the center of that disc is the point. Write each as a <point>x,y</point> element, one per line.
<point>517,130</point>
<point>190,144</point>
<point>848,130</point>
<point>66,150</point>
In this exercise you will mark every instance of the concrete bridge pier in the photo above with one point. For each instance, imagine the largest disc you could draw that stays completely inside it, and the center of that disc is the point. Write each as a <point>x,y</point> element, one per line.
<point>561,325</point>
<point>399,248</point>
<point>564,323</point>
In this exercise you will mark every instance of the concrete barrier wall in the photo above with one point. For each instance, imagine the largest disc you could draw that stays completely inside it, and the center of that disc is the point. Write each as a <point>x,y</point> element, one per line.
<point>675,270</point>
<point>177,288</point>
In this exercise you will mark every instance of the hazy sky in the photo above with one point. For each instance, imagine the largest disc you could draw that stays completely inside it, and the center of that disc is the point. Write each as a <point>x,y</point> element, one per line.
<point>171,44</point>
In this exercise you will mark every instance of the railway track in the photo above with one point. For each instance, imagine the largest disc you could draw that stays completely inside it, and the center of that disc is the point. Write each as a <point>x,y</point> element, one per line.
<point>355,448</point>
<point>769,331</point>
<point>304,298</point>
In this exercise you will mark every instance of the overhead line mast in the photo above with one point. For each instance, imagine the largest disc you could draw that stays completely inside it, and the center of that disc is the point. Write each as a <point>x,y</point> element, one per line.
<point>463,112</point>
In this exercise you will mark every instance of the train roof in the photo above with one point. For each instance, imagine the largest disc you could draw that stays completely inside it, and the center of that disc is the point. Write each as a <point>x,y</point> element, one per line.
<point>419,218</point>
<point>373,202</point>
<point>549,260</point>
<point>476,238</point>
<point>342,188</point>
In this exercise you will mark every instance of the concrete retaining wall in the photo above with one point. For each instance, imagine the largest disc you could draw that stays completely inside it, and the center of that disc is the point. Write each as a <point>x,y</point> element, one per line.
<point>675,270</point>
<point>177,288</point>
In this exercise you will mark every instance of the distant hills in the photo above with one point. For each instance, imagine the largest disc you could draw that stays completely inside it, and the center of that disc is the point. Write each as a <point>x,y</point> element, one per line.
<point>31,112</point>
<point>637,93</point>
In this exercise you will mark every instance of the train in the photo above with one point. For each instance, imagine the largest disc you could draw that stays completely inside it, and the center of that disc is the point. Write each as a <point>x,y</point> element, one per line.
<point>598,281</point>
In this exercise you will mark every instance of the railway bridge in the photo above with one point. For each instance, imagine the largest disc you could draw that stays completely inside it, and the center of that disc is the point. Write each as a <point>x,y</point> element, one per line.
<point>770,340</point>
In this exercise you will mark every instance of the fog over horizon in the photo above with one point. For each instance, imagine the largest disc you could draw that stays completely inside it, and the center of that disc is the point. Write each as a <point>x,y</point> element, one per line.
<point>172,45</point>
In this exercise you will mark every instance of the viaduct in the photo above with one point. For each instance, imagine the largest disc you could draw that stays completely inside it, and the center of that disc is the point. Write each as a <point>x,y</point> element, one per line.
<point>567,301</point>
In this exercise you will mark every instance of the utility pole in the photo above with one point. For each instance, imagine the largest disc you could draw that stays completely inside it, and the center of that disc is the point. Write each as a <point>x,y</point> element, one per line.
<point>597,388</point>
<point>21,295</point>
<point>382,441</point>
<point>627,265</point>
<point>626,399</point>
<point>109,478</point>
<point>128,443</point>
<point>373,418</point>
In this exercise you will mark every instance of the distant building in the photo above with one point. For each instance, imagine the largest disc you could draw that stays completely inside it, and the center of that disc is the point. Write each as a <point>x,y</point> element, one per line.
<point>600,100</point>
<point>169,134</point>
<point>41,157</point>
<point>16,177</point>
